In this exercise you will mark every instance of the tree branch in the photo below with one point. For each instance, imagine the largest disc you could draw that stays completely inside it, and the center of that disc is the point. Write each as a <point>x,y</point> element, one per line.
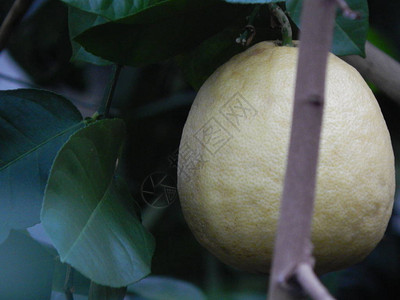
<point>293,245</point>
<point>307,279</point>
<point>249,32</point>
<point>378,68</point>
<point>13,18</point>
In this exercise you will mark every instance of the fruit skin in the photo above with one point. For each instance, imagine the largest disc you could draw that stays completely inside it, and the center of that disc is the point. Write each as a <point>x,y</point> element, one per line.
<point>231,169</point>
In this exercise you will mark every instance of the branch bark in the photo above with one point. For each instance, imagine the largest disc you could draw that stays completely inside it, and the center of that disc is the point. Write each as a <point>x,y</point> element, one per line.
<point>13,18</point>
<point>307,279</point>
<point>293,245</point>
<point>378,68</point>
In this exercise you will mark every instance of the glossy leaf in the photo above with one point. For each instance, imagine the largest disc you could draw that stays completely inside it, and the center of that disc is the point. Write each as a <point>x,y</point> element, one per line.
<point>84,210</point>
<point>349,35</point>
<point>78,22</point>
<point>166,288</point>
<point>34,124</point>
<point>165,30</point>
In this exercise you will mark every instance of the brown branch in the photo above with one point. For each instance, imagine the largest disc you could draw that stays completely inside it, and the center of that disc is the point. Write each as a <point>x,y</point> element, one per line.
<point>307,279</point>
<point>378,68</point>
<point>13,18</point>
<point>292,246</point>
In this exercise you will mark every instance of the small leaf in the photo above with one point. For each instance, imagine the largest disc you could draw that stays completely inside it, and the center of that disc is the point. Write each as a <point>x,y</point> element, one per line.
<point>349,35</point>
<point>34,125</point>
<point>84,212</point>
<point>166,288</point>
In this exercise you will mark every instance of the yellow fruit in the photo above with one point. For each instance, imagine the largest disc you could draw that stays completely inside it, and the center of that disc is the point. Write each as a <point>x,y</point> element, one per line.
<point>233,152</point>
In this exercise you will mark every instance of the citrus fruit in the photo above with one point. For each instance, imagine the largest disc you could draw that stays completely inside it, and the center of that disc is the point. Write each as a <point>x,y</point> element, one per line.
<point>233,154</point>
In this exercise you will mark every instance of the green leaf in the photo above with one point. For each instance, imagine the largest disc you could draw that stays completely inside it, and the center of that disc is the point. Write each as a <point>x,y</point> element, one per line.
<point>34,124</point>
<point>26,268</point>
<point>160,32</point>
<point>84,211</point>
<point>78,22</point>
<point>349,35</point>
<point>101,292</point>
<point>166,288</point>
<point>198,64</point>
<point>115,10</point>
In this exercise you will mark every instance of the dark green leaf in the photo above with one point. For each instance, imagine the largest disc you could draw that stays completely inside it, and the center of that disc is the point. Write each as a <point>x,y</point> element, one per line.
<point>26,268</point>
<point>78,22</point>
<point>34,125</point>
<point>166,288</point>
<point>349,35</point>
<point>101,292</point>
<point>161,32</point>
<point>115,10</point>
<point>200,63</point>
<point>84,212</point>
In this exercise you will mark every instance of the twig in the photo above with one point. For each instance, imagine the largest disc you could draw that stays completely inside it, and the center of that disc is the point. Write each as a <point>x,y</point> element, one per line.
<point>378,68</point>
<point>109,93</point>
<point>283,20</point>
<point>292,246</point>
<point>249,32</point>
<point>13,18</point>
<point>310,283</point>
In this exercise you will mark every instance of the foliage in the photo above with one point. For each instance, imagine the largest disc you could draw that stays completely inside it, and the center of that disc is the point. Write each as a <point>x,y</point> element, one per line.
<point>84,212</point>
<point>34,124</point>
<point>150,32</point>
<point>127,34</point>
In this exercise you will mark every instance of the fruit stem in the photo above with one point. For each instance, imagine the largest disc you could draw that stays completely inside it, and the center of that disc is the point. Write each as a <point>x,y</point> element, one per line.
<point>283,20</point>
<point>109,92</point>
<point>249,32</point>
